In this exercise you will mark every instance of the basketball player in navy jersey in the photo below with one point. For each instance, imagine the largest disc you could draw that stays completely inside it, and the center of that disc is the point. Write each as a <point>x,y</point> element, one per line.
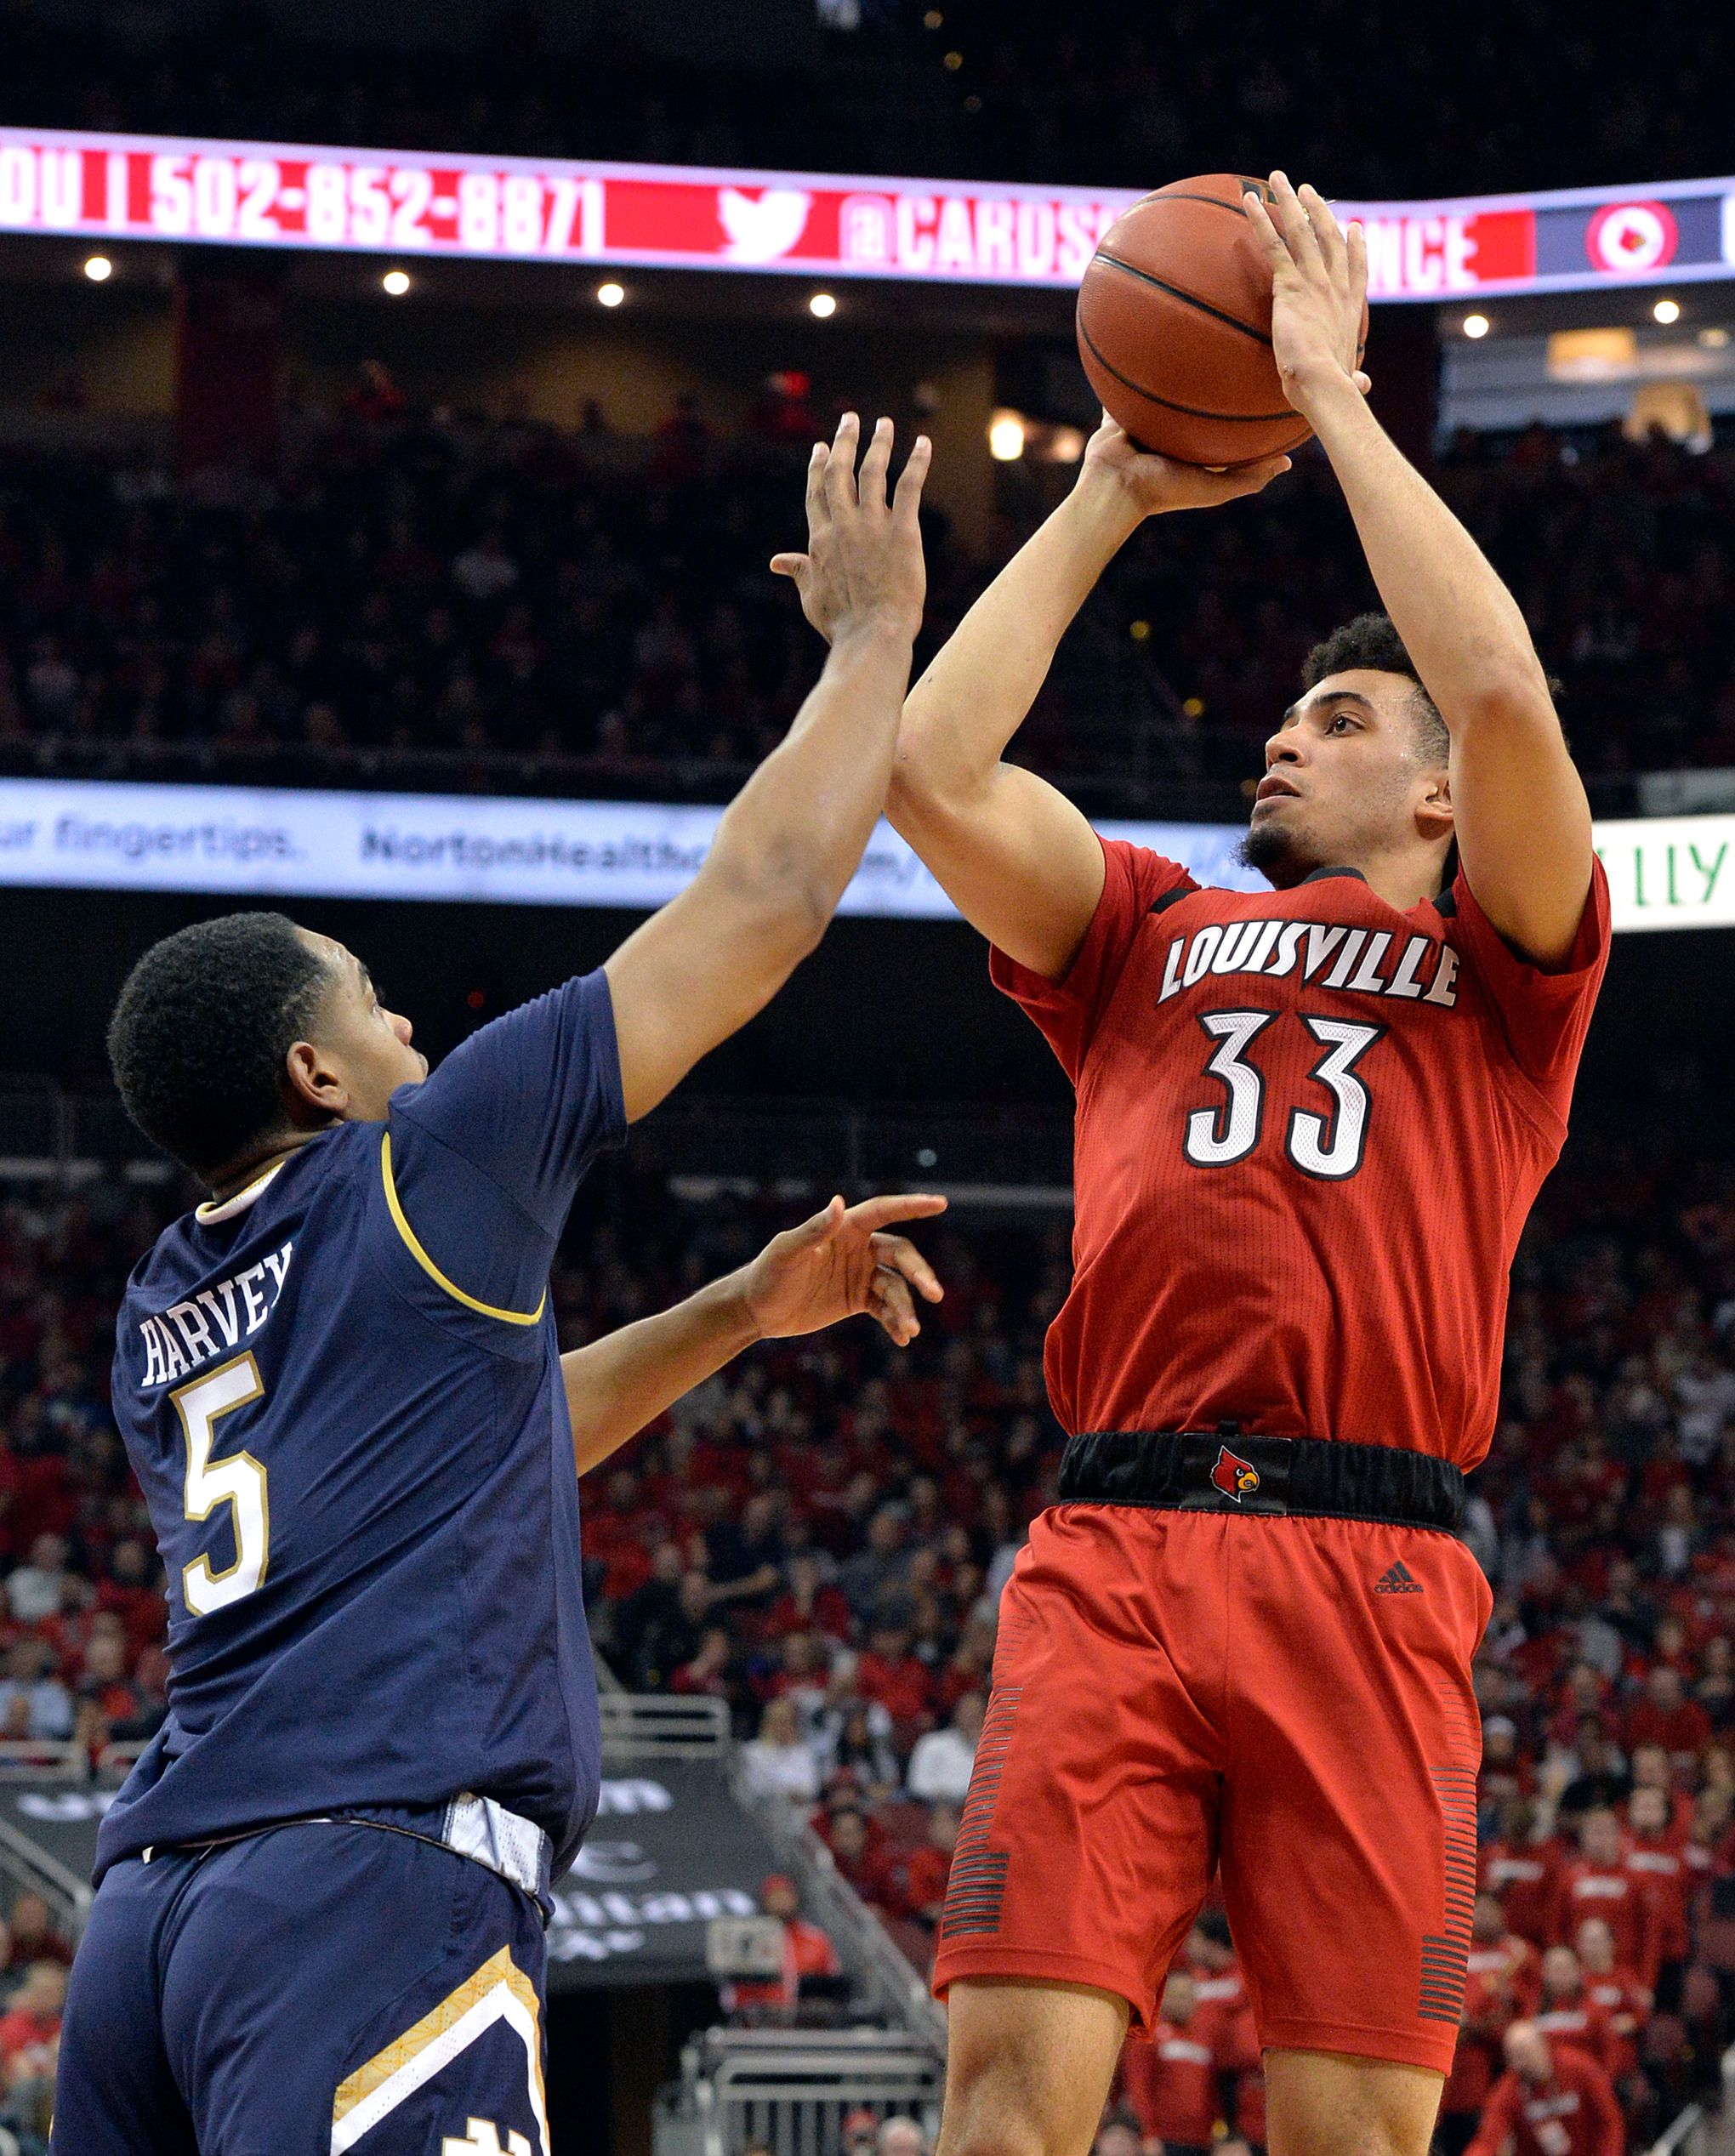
<point>320,1894</point>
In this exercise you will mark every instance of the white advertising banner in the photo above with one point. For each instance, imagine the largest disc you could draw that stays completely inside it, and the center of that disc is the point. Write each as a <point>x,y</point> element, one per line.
<point>264,842</point>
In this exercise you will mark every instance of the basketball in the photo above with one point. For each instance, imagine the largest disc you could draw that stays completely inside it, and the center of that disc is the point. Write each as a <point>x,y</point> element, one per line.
<point>1175,326</point>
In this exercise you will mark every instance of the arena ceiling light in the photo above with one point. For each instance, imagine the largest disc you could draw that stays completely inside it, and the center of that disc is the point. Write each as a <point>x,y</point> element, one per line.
<point>1476,324</point>
<point>396,282</point>
<point>99,268</point>
<point>1006,437</point>
<point>1667,310</point>
<point>610,295</point>
<point>823,305</point>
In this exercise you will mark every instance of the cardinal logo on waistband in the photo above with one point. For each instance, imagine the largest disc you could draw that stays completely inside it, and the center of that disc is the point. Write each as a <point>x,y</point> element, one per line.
<point>1235,1476</point>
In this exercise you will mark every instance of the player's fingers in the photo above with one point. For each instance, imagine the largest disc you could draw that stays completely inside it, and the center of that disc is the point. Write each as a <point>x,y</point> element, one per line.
<point>893,1305</point>
<point>907,499</point>
<point>1356,250</point>
<point>818,509</point>
<point>840,465</point>
<point>873,1212</point>
<point>1364,383</point>
<point>874,464</point>
<point>899,1255</point>
<point>1291,220</point>
<point>794,565</point>
<point>1250,479</point>
<point>1270,240</point>
<point>1325,229</point>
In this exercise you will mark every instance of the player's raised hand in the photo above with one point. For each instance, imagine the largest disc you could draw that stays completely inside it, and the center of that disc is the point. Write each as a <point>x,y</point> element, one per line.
<point>863,569</point>
<point>1319,291</point>
<point>1153,485</point>
<point>844,1263</point>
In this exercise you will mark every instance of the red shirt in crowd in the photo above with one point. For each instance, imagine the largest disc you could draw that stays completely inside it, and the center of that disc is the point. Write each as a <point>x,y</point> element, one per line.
<point>1619,1898</point>
<point>1582,2024</point>
<point>1627,2003</point>
<point>1574,2113</point>
<point>1665,1881</point>
<point>902,1687</point>
<point>29,2038</point>
<point>1525,1881</point>
<point>1685,1728</point>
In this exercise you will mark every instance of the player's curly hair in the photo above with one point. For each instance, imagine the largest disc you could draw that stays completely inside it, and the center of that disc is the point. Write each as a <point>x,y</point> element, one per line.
<point>198,1036</point>
<point>1370,640</point>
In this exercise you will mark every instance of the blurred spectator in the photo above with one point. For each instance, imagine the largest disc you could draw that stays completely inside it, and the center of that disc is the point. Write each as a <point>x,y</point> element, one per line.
<point>807,1952</point>
<point>778,1763</point>
<point>1551,2100</point>
<point>30,2029</point>
<point>33,1703</point>
<point>941,1761</point>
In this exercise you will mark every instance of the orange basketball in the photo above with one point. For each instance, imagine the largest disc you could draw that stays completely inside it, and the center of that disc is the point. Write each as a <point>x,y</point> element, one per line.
<point>1175,326</point>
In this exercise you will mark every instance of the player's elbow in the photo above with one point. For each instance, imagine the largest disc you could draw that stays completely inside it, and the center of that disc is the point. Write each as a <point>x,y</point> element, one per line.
<point>777,907</point>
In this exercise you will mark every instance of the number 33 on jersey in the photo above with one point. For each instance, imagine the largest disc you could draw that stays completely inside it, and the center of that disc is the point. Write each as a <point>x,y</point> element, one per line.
<point>1280,1095</point>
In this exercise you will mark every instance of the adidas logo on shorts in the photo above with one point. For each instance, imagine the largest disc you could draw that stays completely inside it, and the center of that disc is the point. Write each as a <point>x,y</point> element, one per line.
<point>1399,1580</point>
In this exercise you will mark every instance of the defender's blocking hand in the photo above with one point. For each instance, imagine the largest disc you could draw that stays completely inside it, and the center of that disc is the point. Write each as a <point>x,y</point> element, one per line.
<point>863,569</point>
<point>841,1264</point>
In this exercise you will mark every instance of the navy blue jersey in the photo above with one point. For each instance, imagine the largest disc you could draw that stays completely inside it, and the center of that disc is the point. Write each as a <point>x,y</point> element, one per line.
<point>341,1393</point>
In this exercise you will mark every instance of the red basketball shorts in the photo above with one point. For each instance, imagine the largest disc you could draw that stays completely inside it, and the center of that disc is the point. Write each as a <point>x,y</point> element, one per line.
<point>1290,1698</point>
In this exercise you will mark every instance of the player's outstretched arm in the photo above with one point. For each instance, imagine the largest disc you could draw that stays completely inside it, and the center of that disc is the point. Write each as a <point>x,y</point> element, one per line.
<point>840,1263</point>
<point>1522,819</point>
<point>790,841</point>
<point>1015,857</point>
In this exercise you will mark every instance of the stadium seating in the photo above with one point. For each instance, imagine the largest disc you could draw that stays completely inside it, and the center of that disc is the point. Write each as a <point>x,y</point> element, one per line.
<point>465,603</point>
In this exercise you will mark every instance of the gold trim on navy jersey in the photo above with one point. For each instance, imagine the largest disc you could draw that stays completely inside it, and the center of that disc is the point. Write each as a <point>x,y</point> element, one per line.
<point>428,1266</point>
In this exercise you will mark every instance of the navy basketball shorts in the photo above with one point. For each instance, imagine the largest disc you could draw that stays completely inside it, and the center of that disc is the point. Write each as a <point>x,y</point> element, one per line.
<point>310,1990</point>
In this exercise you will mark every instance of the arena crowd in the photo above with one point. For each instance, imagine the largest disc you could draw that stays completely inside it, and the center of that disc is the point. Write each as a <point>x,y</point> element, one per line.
<point>496,606</point>
<point>818,1538</point>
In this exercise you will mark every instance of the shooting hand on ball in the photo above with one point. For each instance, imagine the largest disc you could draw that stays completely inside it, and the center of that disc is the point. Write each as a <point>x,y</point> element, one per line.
<point>1319,292</point>
<point>1149,484</point>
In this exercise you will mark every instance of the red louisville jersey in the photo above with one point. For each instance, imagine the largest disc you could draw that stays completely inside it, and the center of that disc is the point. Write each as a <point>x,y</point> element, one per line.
<point>1310,1128</point>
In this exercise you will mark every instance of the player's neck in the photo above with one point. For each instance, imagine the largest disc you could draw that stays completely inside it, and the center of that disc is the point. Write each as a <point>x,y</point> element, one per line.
<point>229,1182</point>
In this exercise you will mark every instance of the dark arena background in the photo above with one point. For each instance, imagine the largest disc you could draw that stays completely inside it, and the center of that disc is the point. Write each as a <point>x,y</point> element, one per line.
<point>399,409</point>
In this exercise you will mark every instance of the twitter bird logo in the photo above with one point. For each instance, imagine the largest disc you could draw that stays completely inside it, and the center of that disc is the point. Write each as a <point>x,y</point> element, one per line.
<point>762,230</point>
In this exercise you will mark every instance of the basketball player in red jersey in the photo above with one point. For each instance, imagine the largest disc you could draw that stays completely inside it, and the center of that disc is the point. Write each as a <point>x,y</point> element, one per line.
<point>1310,1123</point>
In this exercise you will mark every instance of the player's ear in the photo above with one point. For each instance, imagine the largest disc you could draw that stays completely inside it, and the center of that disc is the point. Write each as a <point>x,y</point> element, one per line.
<point>313,1090</point>
<point>1434,816</point>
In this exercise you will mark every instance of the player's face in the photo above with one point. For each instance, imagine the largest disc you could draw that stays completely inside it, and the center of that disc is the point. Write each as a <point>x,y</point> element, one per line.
<point>366,1047</point>
<point>1346,783</point>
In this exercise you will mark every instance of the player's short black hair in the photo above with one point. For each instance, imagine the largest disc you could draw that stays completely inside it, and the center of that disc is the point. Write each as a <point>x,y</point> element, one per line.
<point>198,1037</point>
<point>1370,640</point>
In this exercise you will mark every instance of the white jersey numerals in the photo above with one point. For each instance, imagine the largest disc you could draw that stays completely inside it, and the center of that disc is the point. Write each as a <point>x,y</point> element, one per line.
<point>1328,1147</point>
<point>238,1480</point>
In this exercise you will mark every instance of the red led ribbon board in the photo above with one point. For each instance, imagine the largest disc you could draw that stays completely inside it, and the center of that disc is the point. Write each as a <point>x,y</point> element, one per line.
<point>410,204</point>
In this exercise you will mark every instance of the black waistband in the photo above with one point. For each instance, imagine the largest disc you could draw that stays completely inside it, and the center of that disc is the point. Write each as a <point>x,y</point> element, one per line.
<point>1226,1471</point>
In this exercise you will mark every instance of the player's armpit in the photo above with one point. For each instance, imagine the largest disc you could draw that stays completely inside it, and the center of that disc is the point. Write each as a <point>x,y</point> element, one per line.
<point>697,970</point>
<point>1013,854</point>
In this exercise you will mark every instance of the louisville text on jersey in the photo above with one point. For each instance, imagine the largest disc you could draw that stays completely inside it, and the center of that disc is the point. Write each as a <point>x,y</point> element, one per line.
<point>211,1323</point>
<point>1334,956</point>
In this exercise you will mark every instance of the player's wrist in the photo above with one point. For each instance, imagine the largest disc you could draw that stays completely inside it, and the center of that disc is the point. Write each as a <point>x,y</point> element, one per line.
<point>1323,394</point>
<point>1103,509</point>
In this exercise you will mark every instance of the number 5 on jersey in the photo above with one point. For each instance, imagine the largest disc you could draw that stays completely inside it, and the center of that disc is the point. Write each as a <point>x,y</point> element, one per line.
<point>1329,1150</point>
<point>239,1481</point>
